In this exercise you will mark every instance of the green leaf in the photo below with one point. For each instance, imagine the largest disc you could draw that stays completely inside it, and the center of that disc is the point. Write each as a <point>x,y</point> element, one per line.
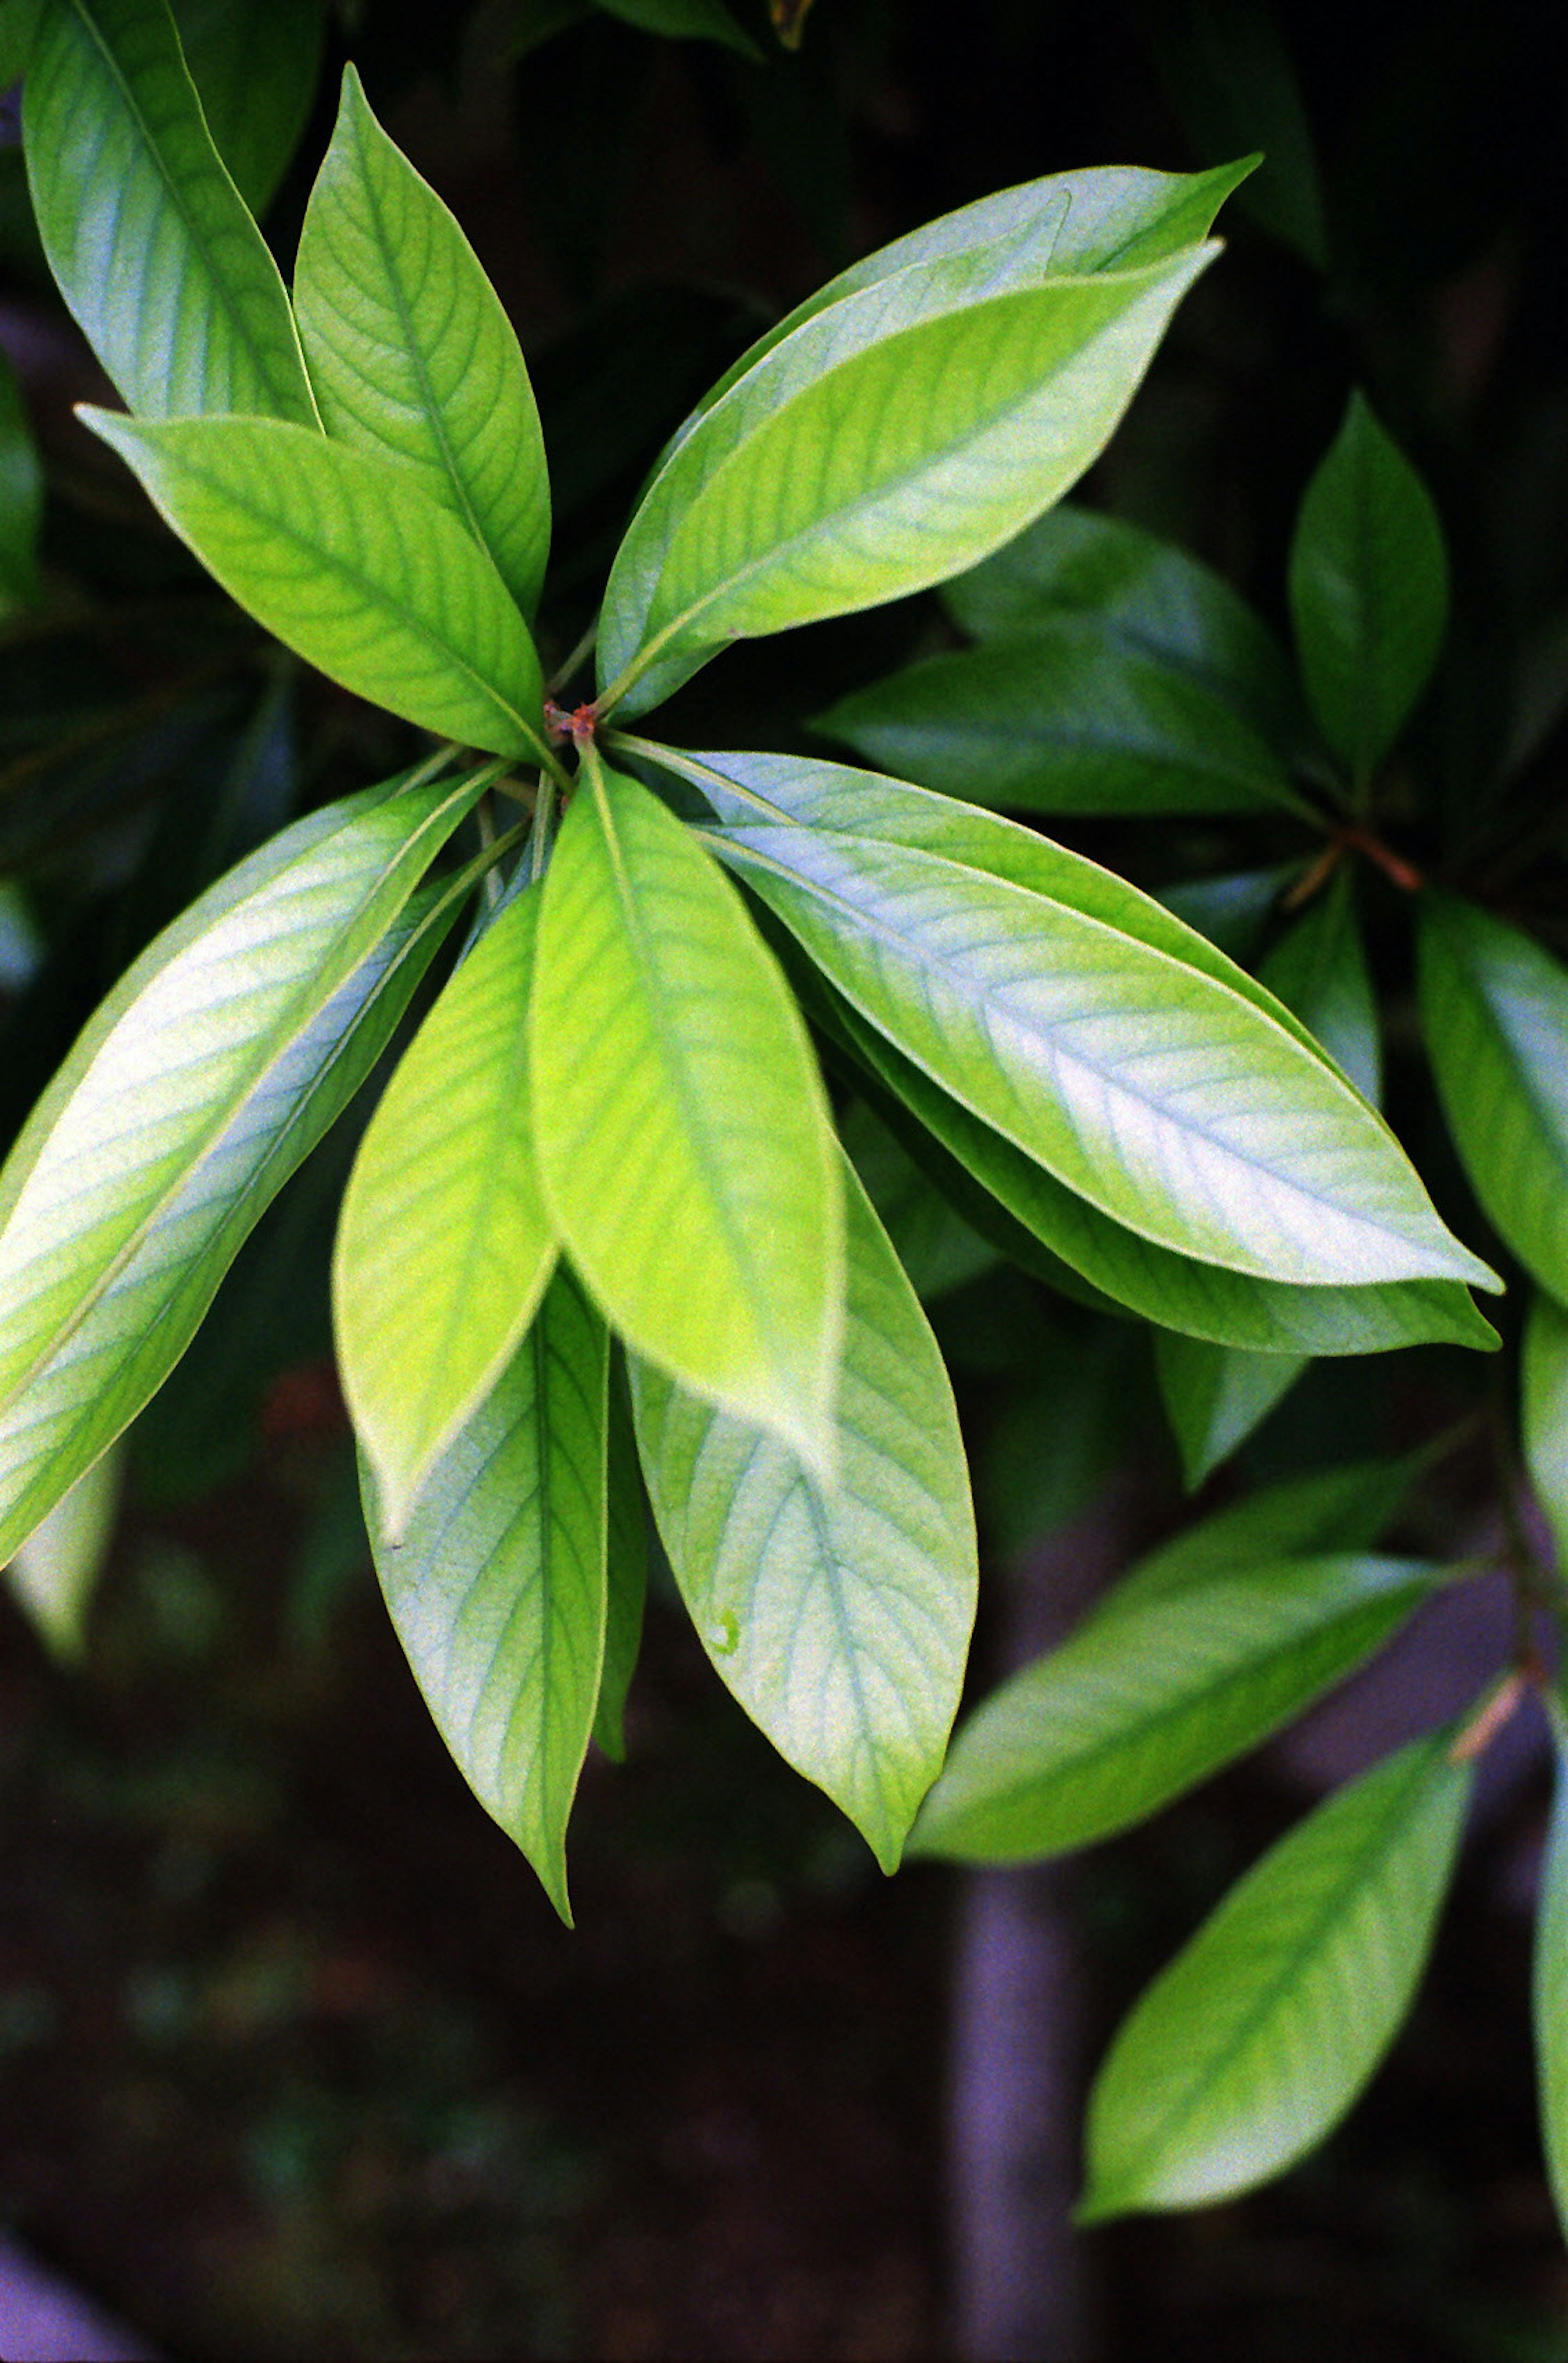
<point>1494,1010</point>
<point>1261,2034</point>
<point>351,565</point>
<point>18,29</point>
<point>840,1618</point>
<point>1215,1396</point>
<point>444,1247</point>
<point>899,434</point>
<point>1319,967</point>
<point>936,1247</point>
<point>1543,1373</point>
<point>497,1590</point>
<point>154,251</point>
<point>626,1572</point>
<point>254,63</point>
<point>410,351</point>
<point>1368,590</point>
<point>1549,1994</point>
<point>1064,719</point>
<point>56,1569</point>
<point>1232,79</point>
<point>1341,1510</point>
<point>1149,1697</point>
<point>1231,908</point>
<point>206,1077</point>
<point>683,1137</point>
<point>685,20</point>
<point>21,498</point>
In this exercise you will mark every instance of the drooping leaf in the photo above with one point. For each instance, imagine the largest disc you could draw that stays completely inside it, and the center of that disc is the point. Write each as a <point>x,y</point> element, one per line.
<point>154,251</point>
<point>1151,1696</point>
<point>1064,719</point>
<point>685,20</point>
<point>840,1618</point>
<point>682,1137</point>
<point>21,498</point>
<point>1261,2034</point>
<point>1216,1395</point>
<point>444,1247</point>
<point>1333,1510</point>
<point>1368,590</point>
<point>209,1073</point>
<point>1549,1995</point>
<point>1544,1413</point>
<point>353,567</point>
<point>1494,1010</point>
<point>254,63</point>
<point>497,1589</point>
<point>410,351</point>
<point>626,1569</point>
<point>1319,967</point>
<point>898,434</point>
<point>56,1569</point>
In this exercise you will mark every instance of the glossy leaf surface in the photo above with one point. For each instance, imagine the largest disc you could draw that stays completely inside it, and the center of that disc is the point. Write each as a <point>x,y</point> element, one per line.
<point>840,1618</point>
<point>1149,1697</point>
<point>1494,1009</point>
<point>444,1247</point>
<point>206,1077</point>
<point>1368,590</point>
<point>683,1137</point>
<point>411,353</point>
<point>350,565</point>
<point>154,251</point>
<point>497,1590</point>
<point>254,63</point>
<point>1263,2031</point>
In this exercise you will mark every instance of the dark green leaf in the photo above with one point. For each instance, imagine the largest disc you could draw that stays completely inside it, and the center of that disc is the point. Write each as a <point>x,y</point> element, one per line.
<point>21,498</point>
<point>254,63</point>
<point>1319,967</point>
<point>627,1553</point>
<point>685,20</point>
<point>1544,1414</point>
<point>1551,1986</point>
<point>1215,1396</point>
<point>1333,1510</point>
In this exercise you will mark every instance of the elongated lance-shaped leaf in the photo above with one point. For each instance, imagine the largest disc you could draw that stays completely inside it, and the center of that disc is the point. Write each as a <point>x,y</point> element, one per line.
<point>1368,590</point>
<point>410,351</point>
<point>1261,2034</point>
<point>1148,1698</point>
<point>1064,718</point>
<point>626,1544</point>
<point>1550,1984</point>
<point>351,565</point>
<point>154,251</point>
<point>497,1589</point>
<point>1334,1510</point>
<point>901,434</point>
<point>254,63</point>
<point>840,1618</point>
<point>1166,1099</point>
<point>213,1070</point>
<point>1215,1397</point>
<point>56,1569</point>
<point>1544,1413</point>
<point>1494,1008</point>
<point>682,1134</point>
<point>1144,594</point>
<point>1319,969</point>
<point>444,1247</point>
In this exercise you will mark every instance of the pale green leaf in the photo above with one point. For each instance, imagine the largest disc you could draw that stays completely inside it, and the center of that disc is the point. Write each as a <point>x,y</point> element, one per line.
<point>254,63</point>
<point>1543,1420</point>
<point>410,351</point>
<point>1152,1694</point>
<point>351,565</point>
<point>190,1098</point>
<point>155,253</point>
<point>1368,590</point>
<point>1494,1010</point>
<point>444,1247</point>
<point>497,1589</point>
<point>1549,1994</point>
<point>840,1618</point>
<point>1319,969</point>
<point>1263,2033</point>
<point>56,1569</point>
<point>1341,1510</point>
<point>626,1569</point>
<point>682,1134</point>
<point>1216,1395</point>
<point>21,498</point>
<point>1064,719</point>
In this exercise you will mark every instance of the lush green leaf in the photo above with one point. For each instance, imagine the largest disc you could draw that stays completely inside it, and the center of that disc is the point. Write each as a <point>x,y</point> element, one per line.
<point>1262,2032</point>
<point>936,1247</point>
<point>19,27</point>
<point>1544,1413</point>
<point>1151,1696</point>
<point>1494,1008</point>
<point>1344,1509</point>
<point>1064,719</point>
<point>685,20</point>
<point>1232,79</point>
<point>1319,969</point>
<point>151,241</point>
<point>497,1589</point>
<point>254,63</point>
<point>351,564</point>
<point>56,1569</point>
<point>21,497</point>
<point>1368,590</point>
<point>682,1133</point>
<point>1551,1990</point>
<point>1231,907</point>
<point>841,1617</point>
<point>1215,1396</point>
<point>444,1249</point>
<point>209,1073</point>
<point>410,351</point>
<point>626,1570</point>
